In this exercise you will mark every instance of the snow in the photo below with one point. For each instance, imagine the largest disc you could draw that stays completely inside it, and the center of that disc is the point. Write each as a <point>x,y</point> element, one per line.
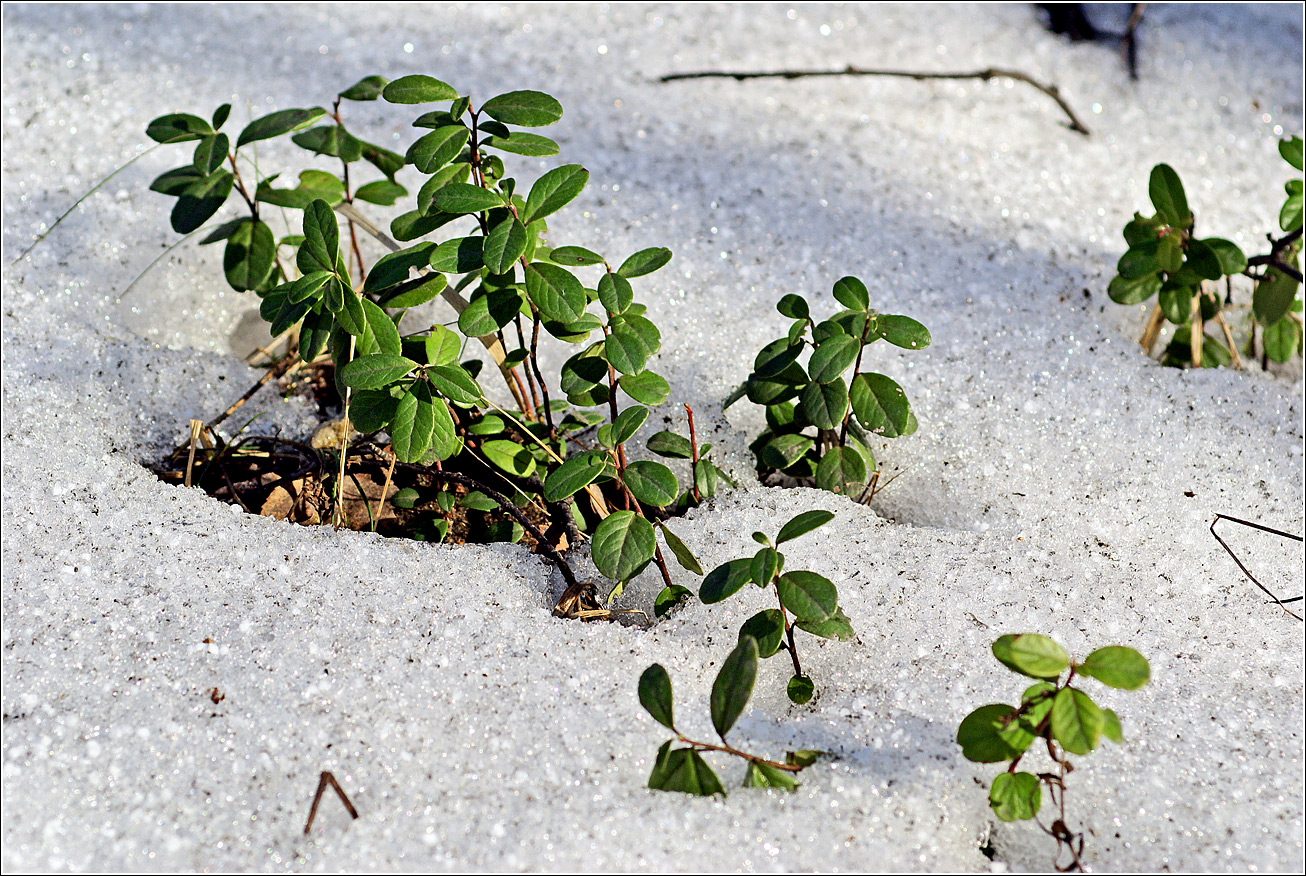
<point>1060,482</point>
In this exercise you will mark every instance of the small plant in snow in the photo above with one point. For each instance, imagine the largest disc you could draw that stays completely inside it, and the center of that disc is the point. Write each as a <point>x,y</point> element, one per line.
<point>1166,259</point>
<point>683,768</point>
<point>819,422</point>
<point>1064,717</point>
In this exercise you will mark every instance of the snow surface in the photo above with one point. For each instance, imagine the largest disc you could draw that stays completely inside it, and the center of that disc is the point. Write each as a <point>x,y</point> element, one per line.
<point>1060,481</point>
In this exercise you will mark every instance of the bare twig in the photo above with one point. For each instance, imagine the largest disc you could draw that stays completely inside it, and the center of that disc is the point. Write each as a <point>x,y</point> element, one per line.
<point>322,783</point>
<point>1277,601</point>
<point>984,75</point>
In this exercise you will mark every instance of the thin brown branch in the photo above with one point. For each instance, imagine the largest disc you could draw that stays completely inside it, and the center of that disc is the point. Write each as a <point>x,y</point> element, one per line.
<point>1277,601</point>
<point>327,780</point>
<point>983,75</point>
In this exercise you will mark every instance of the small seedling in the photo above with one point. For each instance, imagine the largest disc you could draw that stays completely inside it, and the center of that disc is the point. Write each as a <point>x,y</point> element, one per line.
<point>1166,259</point>
<point>684,769</point>
<point>811,599</point>
<point>819,422</point>
<point>1064,717</point>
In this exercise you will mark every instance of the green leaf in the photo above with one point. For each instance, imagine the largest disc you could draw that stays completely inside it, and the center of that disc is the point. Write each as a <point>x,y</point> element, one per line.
<point>574,475</point>
<point>200,200</point>
<point>1203,260</point>
<point>576,256</point>
<point>1116,666</point>
<point>794,306</point>
<point>433,151</point>
<point>412,426</point>
<point>825,404</point>
<point>851,293</point>
<point>177,128</point>
<point>314,333</point>
<point>1274,295</point>
<point>842,470</point>
<point>174,182</point>
<point>684,556</point>
<point>1134,291</point>
<point>766,564</point>
<point>444,435</point>
<point>1015,796</point>
<point>623,545</point>
<point>418,89</point>
<point>1290,214</point>
<point>529,109</point>
<point>980,734</point>
<point>375,371</point>
<point>371,409</point>
<point>645,387</point>
<point>800,690</point>
<point>670,445</point>
<point>397,267</point>
<point>669,598</point>
<point>459,173</point>
<point>832,357</point>
<point>331,140</point>
<point>705,478</point>
<point>382,328</point>
<point>382,192</point>
<point>838,626</point>
<point>1227,253</point>
<point>734,685</point>
<point>615,293</point>
<point>1282,340</point>
<point>1076,721</point>
<point>1167,194</point>
<point>382,159</point>
<point>210,153</point>
<point>652,483</point>
<point>490,312</point>
<point>881,406</point>
<point>1032,655</point>
<point>783,451</point>
<point>558,294</point>
<point>247,260</point>
<point>768,629</point>
<point>646,261</point>
<point>628,423</point>
<point>313,184</point>
<point>508,455</point>
<point>220,115</point>
<point>761,775</point>
<point>725,580</point>
<point>321,248</point>
<point>683,769</point>
<point>456,197</point>
<point>803,524</point>
<point>504,245</point>
<point>553,191</point>
<point>1291,150</point>
<point>902,331</point>
<point>367,88</point>
<point>459,255</point>
<point>522,143</point>
<point>1111,727</point>
<point>809,596</point>
<point>655,695</point>
<point>628,347</point>
<point>278,123</point>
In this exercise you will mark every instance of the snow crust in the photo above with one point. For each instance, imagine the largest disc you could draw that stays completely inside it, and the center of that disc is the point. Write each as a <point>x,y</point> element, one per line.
<point>1060,482</point>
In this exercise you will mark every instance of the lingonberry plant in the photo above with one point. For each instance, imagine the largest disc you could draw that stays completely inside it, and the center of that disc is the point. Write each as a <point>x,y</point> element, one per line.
<point>819,421</point>
<point>1063,716</point>
<point>507,288</point>
<point>684,769</point>
<point>1166,259</point>
<point>811,599</point>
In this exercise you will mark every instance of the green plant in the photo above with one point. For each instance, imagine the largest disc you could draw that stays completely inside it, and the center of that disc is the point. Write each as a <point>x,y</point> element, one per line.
<point>819,422</point>
<point>420,386</point>
<point>1063,716</point>
<point>684,769</point>
<point>811,599</point>
<point>1166,259</point>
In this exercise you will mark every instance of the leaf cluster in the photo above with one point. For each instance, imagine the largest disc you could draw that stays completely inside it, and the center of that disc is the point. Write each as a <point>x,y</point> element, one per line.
<point>684,768</point>
<point>1165,258</point>
<point>1053,710</point>
<point>821,407</point>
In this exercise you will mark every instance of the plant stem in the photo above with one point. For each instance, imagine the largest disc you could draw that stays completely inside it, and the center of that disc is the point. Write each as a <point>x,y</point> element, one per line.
<point>729,749</point>
<point>984,75</point>
<point>789,634</point>
<point>693,449</point>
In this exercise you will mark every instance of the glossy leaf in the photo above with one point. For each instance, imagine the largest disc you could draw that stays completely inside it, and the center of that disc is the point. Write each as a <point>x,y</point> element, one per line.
<point>278,123</point>
<point>504,245</point>
<point>902,331</point>
<point>418,89</point>
<point>807,595</point>
<point>825,404</point>
<point>1015,796</point>
<point>768,629</point>
<point>881,406</point>
<point>980,734</point>
<point>200,200</point>
<point>576,256</point>
<point>684,556</point>
<point>1167,194</point>
<point>734,685</point>
<point>803,524</point>
<point>528,109</point>
<point>574,475</point>
<point>509,455</point>
<point>553,191</point>
<point>645,387</point>
<point>558,294</point>
<point>210,153</point>
<point>655,695</point>
<point>800,690</point>
<point>761,775</point>
<point>456,197</point>
<point>375,371</point>
<point>247,260</point>
<point>177,128</point>
<point>459,255</point>
<point>652,483</point>
<point>646,261</point>
<point>1116,666</point>
<point>842,470</point>
<point>1076,721</point>
<point>1032,655</point>
<point>433,151</point>
<point>622,545</point>
<point>669,598</point>
<point>725,581</point>
<point>837,626</point>
<point>321,248</point>
<point>851,293</point>
<point>367,88</point>
<point>670,445</point>
<point>1136,291</point>
<point>684,770</point>
<point>522,143</point>
<point>382,192</point>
